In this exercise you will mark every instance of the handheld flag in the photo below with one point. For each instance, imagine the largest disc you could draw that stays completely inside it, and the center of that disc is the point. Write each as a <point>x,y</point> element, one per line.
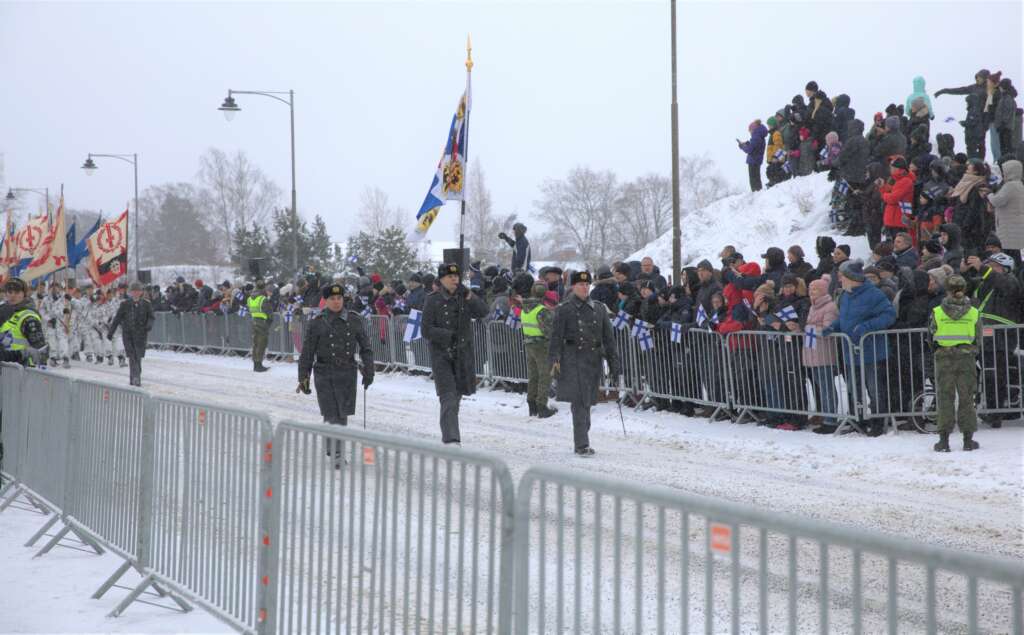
<point>906,208</point>
<point>779,155</point>
<point>638,325</point>
<point>52,252</point>
<point>677,333</point>
<point>646,341</point>
<point>78,249</point>
<point>787,314</point>
<point>108,251</point>
<point>811,337</point>
<point>702,315</point>
<point>412,327</point>
<point>366,312</point>
<point>621,320</point>
<point>512,320</point>
<point>450,177</point>
<point>843,186</point>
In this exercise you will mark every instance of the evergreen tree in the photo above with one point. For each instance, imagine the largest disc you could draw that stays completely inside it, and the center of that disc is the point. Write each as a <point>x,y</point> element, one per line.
<point>289,235</point>
<point>321,247</point>
<point>387,253</point>
<point>249,243</point>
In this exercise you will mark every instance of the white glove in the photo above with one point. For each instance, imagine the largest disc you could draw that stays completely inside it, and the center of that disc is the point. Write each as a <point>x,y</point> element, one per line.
<point>35,356</point>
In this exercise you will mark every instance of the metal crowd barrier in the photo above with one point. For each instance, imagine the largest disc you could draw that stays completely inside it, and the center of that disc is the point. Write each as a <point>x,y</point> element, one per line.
<point>506,352</point>
<point>381,338</point>
<point>12,430</point>
<point>693,370</point>
<point>1002,370</point>
<point>392,535</point>
<point>596,555</point>
<point>777,376</point>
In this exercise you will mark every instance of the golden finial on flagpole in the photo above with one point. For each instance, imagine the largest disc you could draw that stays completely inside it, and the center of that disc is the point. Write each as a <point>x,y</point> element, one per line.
<point>469,54</point>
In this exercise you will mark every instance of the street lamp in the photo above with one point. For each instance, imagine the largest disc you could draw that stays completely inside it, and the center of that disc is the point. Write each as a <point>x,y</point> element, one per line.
<point>90,167</point>
<point>43,191</point>
<point>230,109</point>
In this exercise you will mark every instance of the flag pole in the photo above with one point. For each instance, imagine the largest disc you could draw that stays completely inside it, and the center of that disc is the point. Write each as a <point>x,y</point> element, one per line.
<point>465,155</point>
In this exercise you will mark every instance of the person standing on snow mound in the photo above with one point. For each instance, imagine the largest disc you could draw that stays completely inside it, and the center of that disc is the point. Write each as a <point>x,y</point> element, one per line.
<point>135,317</point>
<point>446,325</point>
<point>956,328</point>
<point>581,337</point>
<point>328,352</point>
<point>520,246</point>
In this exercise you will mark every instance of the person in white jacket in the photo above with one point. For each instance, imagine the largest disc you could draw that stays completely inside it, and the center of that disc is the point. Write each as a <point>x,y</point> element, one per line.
<point>1008,207</point>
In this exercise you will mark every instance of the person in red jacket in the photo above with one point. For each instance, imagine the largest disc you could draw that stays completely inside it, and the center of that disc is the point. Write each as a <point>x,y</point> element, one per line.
<point>899,189</point>
<point>736,291</point>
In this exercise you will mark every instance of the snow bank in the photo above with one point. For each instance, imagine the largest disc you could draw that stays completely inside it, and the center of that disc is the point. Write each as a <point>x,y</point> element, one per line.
<point>792,213</point>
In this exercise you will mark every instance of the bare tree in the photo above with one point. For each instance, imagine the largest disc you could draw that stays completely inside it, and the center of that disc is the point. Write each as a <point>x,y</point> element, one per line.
<point>235,191</point>
<point>582,208</point>
<point>482,225</point>
<point>644,207</point>
<point>700,183</point>
<point>376,213</point>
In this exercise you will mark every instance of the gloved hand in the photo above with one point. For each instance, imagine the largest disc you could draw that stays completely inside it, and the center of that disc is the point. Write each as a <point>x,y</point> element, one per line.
<point>303,386</point>
<point>34,356</point>
<point>503,236</point>
<point>367,380</point>
<point>110,336</point>
<point>556,369</point>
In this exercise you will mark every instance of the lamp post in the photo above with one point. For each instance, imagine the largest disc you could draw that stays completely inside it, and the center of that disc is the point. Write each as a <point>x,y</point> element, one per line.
<point>90,168</point>
<point>44,191</point>
<point>230,109</point>
<point>676,230</point>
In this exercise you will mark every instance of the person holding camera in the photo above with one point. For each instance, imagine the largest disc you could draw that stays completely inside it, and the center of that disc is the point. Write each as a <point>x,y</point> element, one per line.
<point>328,353</point>
<point>520,248</point>
<point>446,324</point>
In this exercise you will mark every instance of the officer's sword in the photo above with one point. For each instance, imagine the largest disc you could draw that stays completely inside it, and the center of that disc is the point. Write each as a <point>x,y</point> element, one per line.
<point>364,407</point>
<point>619,402</point>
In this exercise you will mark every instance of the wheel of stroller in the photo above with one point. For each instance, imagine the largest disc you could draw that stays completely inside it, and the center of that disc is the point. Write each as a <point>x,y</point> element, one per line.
<point>923,407</point>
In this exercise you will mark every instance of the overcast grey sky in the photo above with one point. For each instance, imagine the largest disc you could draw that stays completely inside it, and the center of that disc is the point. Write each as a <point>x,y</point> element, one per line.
<point>555,85</point>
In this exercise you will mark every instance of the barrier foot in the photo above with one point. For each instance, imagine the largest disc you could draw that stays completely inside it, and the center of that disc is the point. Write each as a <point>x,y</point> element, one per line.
<point>112,580</point>
<point>19,491</point>
<point>42,530</point>
<point>57,537</point>
<point>843,426</point>
<point>147,581</point>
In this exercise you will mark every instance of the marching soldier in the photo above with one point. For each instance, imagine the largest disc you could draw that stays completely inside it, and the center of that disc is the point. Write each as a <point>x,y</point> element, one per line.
<point>536,320</point>
<point>135,317</point>
<point>328,350</point>
<point>260,325</point>
<point>956,328</point>
<point>447,315</point>
<point>22,327</point>
<point>581,337</point>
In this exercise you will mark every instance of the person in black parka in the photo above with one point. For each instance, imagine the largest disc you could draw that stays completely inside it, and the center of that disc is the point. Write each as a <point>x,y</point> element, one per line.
<point>135,317</point>
<point>447,316</point>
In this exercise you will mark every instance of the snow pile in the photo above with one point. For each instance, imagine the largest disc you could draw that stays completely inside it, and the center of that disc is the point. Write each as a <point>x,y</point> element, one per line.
<point>792,213</point>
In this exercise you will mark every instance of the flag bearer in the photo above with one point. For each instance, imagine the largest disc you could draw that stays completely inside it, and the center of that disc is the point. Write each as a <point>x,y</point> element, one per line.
<point>259,310</point>
<point>21,327</point>
<point>447,326</point>
<point>536,321</point>
<point>581,337</point>
<point>135,318</point>
<point>328,351</point>
<point>956,328</point>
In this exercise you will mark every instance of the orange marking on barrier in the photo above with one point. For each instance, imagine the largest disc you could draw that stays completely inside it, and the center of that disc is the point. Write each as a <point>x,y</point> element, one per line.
<point>988,332</point>
<point>265,580</point>
<point>270,445</point>
<point>268,457</point>
<point>721,538</point>
<point>270,492</point>
<point>369,456</point>
<point>263,615</point>
<point>202,417</point>
<point>106,395</point>
<point>266,541</point>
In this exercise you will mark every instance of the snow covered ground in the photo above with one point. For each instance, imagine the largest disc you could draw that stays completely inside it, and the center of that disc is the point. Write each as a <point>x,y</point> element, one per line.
<point>896,484</point>
<point>792,213</point>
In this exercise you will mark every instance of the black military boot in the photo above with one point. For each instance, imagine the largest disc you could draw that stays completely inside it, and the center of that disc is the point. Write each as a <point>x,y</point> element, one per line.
<point>544,412</point>
<point>260,368</point>
<point>969,442</point>
<point>943,444</point>
<point>533,408</point>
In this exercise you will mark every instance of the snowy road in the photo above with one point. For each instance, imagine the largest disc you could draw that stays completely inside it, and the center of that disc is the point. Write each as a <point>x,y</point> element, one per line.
<point>970,501</point>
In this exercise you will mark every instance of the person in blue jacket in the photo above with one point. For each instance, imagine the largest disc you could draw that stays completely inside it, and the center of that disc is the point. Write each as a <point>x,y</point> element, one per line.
<point>863,309</point>
<point>754,149</point>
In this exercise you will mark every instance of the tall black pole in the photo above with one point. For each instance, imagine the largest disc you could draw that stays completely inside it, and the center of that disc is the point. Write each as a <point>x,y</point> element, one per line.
<point>135,231</point>
<point>295,211</point>
<point>676,231</point>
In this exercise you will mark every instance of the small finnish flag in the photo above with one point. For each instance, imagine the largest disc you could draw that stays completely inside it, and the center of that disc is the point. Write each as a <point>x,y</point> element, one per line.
<point>787,314</point>
<point>714,318</point>
<point>993,179</point>
<point>906,207</point>
<point>702,315</point>
<point>787,167</point>
<point>288,314</point>
<point>843,186</point>
<point>824,153</point>
<point>811,337</point>
<point>646,341</point>
<point>367,311</point>
<point>639,326</point>
<point>779,155</point>
<point>677,333</point>
<point>621,320</point>
<point>512,320</point>
<point>496,315</point>
<point>242,311</point>
<point>412,327</point>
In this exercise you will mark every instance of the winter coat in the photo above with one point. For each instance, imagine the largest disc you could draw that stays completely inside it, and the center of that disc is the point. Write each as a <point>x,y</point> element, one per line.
<point>863,310</point>
<point>754,148</point>
<point>1008,203</point>
<point>775,144</point>
<point>702,294</point>
<point>954,247</point>
<point>329,347</point>
<point>891,143</point>
<point>801,304</point>
<point>447,326</point>
<point>900,191</point>
<point>821,121</point>
<point>800,268</point>
<point>822,313</point>
<point>790,136</point>
<point>974,220</point>
<point>136,320</point>
<point>919,91</point>
<point>679,312</point>
<point>996,295</point>
<point>842,116</point>
<point>807,156</point>
<point>1005,111</point>
<point>915,303</point>
<point>416,298</point>
<point>605,291</point>
<point>650,310</point>
<point>907,258</point>
<point>734,292</point>
<point>581,337</point>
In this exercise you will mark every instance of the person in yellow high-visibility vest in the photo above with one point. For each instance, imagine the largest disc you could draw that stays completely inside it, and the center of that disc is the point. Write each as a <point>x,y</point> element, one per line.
<point>21,327</point>
<point>259,309</point>
<point>536,321</point>
<point>956,328</point>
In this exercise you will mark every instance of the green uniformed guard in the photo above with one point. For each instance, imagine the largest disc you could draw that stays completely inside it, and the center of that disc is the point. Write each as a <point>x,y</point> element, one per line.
<point>536,321</point>
<point>328,352</point>
<point>21,327</point>
<point>956,328</point>
<point>581,337</point>
<point>260,325</point>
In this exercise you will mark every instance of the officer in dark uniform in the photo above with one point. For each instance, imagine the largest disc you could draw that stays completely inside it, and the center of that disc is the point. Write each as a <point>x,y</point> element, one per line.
<point>581,337</point>
<point>332,340</point>
<point>135,317</point>
<point>447,316</point>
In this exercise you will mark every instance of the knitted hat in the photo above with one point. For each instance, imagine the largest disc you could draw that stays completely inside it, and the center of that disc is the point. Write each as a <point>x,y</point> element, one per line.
<point>955,283</point>
<point>892,123</point>
<point>940,274</point>
<point>820,285</point>
<point>771,122</point>
<point>539,290</point>
<point>853,270</point>
<point>933,246</point>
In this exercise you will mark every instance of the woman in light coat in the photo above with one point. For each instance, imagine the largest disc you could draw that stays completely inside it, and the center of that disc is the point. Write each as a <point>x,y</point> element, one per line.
<point>1008,206</point>
<point>820,361</point>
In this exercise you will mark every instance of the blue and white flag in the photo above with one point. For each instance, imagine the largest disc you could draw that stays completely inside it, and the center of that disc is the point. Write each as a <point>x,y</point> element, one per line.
<point>906,208</point>
<point>450,177</point>
<point>811,337</point>
<point>242,311</point>
<point>677,333</point>
<point>787,314</point>
<point>843,186</point>
<point>787,167</point>
<point>702,315</point>
<point>512,320</point>
<point>646,341</point>
<point>367,311</point>
<point>994,179</point>
<point>824,153</point>
<point>714,318</point>
<point>780,154</point>
<point>497,315</point>
<point>288,313</point>
<point>412,327</point>
<point>638,326</point>
<point>621,320</point>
